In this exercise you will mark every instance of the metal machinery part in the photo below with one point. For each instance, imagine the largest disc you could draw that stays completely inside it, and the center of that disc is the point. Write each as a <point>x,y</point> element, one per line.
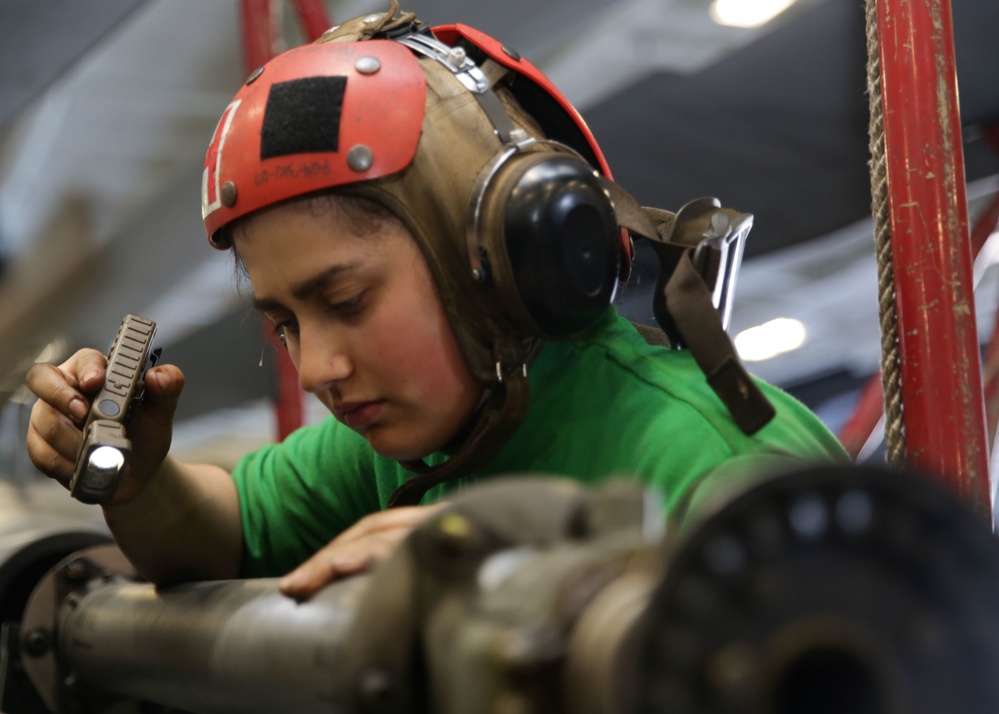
<point>830,589</point>
<point>30,544</point>
<point>226,646</point>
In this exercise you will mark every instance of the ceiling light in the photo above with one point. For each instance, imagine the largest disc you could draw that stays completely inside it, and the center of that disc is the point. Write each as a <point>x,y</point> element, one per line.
<point>747,13</point>
<point>770,339</point>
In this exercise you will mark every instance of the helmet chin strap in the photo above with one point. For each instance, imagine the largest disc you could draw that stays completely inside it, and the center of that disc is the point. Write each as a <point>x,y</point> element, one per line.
<point>494,422</point>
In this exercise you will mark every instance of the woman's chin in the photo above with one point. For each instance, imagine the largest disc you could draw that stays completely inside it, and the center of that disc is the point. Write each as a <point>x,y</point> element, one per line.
<point>397,450</point>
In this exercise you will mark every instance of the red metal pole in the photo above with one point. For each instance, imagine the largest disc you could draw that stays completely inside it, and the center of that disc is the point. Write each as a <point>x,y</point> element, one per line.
<point>260,43</point>
<point>260,33</point>
<point>942,398</point>
<point>870,405</point>
<point>866,414</point>
<point>312,17</point>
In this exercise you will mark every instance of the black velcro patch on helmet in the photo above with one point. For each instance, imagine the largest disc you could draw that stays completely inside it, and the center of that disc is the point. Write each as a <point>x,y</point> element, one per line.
<point>302,117</point>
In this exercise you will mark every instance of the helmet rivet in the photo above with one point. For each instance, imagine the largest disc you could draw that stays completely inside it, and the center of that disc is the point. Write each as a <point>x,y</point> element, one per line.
<point>372,19</point>
<point>512,54</point>
<point>456,57</point>
<point>367,65</point>
<point>254,74</point>
<point>229,194</point>
<point>360,158</point>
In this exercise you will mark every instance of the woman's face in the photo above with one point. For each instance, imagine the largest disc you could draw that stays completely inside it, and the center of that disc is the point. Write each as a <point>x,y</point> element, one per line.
<point>360,316</point>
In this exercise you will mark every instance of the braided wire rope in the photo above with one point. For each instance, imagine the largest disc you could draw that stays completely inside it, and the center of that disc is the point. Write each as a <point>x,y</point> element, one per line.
<point>891,378</point>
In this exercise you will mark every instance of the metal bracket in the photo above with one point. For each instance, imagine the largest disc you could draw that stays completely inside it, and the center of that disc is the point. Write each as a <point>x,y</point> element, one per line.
<point>454,58</point>
<point>718,237</point>
<point>718,258</point>
<point>473,79</point>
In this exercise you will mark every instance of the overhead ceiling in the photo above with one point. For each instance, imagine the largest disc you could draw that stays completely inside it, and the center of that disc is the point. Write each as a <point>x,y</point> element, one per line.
<point>42,41</point>
<point>106,107</point>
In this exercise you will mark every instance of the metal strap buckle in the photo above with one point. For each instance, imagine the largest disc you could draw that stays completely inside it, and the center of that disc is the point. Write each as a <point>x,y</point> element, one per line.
<point>454,58</point>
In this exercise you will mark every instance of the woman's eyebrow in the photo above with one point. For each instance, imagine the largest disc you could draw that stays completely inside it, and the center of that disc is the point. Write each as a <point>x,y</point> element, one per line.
<point>321,280</point>
<point>266,305</point>
<point>308,287</point>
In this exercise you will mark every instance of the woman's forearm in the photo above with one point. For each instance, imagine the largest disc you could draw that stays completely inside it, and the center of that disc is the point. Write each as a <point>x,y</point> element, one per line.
<point>184,526</point>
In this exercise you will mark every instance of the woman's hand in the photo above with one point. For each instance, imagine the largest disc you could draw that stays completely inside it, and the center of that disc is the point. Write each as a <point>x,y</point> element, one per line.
<point>356,549</point>
<point>64,396</point>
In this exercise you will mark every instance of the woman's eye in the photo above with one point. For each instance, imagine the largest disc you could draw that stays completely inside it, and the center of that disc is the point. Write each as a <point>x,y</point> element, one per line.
<point>282,330</point>
<point>349,306</point>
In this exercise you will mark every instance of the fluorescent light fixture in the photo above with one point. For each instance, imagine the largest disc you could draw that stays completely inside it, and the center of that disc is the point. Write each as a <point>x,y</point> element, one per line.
<point>770,339</point>
<point>747,13</point>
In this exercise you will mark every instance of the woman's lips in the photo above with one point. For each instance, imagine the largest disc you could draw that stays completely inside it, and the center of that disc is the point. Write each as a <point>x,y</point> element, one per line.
<point>358,415</point>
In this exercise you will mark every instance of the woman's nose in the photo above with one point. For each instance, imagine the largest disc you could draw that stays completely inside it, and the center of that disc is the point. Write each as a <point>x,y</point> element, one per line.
<point>322,362</point>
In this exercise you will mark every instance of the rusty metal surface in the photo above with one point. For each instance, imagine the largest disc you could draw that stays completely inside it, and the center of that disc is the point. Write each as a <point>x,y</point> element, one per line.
<point>829,588</point>
<point>937,335</point>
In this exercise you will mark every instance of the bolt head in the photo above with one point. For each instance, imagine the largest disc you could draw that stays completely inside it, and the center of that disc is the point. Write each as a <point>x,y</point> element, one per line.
<point>228,194</point>
<point>254,75</point>
<point>36,642</point>
<point>511,53</point>
<point>456,57</point>
<point>360,158</point>
<point>76,570</point>
<point>367,65</point>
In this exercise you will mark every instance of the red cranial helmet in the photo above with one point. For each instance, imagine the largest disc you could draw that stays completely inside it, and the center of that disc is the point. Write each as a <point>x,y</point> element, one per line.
<point>315,117</point>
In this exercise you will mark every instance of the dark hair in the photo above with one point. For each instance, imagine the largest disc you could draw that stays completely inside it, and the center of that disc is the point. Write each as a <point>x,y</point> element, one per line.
<point>362,214</point>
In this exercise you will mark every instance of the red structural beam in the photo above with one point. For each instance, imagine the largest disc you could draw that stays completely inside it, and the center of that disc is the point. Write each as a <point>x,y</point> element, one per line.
<point>944,410</point>
<point>260,32</point>
<point>260,44</point>
<point>856,430</point>
<point>859,427</point>
<point>312,17</point>
<point>261,41</point>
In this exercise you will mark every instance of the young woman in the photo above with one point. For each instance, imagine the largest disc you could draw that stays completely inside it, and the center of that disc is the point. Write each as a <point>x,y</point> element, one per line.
<point>428,224</point>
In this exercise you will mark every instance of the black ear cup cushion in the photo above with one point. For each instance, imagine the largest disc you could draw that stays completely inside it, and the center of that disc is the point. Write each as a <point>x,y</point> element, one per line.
<point>562,240</point>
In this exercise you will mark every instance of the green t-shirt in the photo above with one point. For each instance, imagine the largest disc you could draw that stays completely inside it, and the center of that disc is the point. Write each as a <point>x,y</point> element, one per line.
<point>604,405</point>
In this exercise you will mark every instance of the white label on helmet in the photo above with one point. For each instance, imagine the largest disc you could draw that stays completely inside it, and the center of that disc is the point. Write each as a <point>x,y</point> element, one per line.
<point>210,190</point>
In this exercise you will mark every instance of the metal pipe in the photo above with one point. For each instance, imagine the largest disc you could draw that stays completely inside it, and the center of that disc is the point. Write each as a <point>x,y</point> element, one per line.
<point>260,37</point>
<point>260,44</point>
<point>944,408</point>
<point>30,544</point>
<point>857,429</point>
<point>823,589</point>
<point>227,646</point>
<point>868,411</point>
<point>312,17</point>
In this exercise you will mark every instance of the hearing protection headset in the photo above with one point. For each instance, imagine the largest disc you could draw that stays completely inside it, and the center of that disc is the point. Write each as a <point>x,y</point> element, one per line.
<point>541,224</point>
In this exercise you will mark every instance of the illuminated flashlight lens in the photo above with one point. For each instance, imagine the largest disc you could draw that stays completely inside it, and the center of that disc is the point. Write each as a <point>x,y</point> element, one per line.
<point>105,463</point>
